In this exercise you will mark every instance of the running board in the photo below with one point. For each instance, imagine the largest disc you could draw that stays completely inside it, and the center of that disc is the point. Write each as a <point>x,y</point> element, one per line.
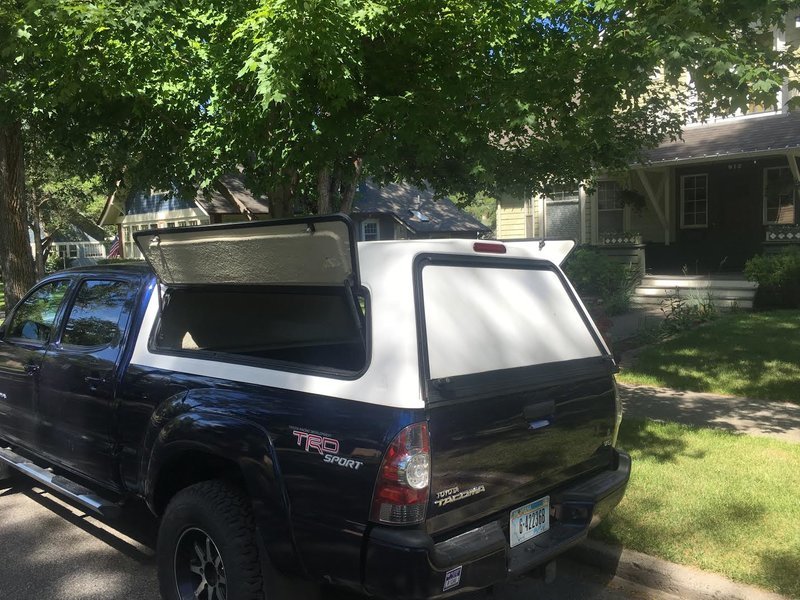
<point>66,487</point>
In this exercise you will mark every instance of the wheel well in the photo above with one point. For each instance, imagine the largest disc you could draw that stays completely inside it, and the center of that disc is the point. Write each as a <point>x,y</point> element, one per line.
<point>188,468</point>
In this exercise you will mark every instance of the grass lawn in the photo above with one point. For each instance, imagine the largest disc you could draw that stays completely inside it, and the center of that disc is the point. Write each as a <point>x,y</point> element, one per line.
<point>756,355</point>
<point>719,501</point>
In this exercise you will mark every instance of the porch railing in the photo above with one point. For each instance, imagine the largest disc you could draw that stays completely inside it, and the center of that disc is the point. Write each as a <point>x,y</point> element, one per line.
<point>783,234</point>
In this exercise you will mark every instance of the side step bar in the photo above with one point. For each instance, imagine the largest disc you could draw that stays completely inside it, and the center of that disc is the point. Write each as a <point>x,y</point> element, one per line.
<point>66,487</point>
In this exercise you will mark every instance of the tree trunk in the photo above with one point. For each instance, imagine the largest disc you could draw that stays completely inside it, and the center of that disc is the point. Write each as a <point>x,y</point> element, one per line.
<point>15,250</point>
<point>281,205</point>
<point>349,191</point>
<point>324,191</point>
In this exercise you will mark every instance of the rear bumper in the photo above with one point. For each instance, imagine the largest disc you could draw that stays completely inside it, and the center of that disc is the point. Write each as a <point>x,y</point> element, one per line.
<point>408,564</point>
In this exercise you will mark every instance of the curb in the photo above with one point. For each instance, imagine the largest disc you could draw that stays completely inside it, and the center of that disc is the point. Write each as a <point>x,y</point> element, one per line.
<point>685,582</point>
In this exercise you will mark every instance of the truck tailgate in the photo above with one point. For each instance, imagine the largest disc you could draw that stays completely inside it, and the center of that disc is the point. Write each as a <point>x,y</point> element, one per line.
<point>494,447</point>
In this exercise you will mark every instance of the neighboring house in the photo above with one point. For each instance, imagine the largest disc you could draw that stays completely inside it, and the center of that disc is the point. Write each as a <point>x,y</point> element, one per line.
<point>400,211</point>
<point>228,200</point>
<point>80,239</point>
<point>708,203</point>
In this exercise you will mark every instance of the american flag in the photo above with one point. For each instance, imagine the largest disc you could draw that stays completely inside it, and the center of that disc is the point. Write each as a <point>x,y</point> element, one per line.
<point>113,252</point>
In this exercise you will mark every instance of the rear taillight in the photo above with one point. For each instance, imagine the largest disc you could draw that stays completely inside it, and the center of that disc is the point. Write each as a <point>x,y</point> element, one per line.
<point>401,491</point>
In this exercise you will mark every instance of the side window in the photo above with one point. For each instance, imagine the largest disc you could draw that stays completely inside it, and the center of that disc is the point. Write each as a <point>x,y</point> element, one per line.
<point>98,316</point>
<point>33,319</point>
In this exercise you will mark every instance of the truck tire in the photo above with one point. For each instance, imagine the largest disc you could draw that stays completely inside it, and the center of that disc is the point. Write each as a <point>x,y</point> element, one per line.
<point>207,547</point>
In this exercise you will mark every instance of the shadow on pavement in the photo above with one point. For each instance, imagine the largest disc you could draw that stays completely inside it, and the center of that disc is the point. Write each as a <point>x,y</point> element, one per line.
<point>780,419</point>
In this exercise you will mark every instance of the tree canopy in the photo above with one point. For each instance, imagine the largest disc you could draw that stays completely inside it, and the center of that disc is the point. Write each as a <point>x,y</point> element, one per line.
<point>308,95</point>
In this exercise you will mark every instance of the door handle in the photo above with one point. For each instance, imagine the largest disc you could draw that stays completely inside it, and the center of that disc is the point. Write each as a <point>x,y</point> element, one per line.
<point>94,381</point>
<point>31,369</point>
<point>540,410</point>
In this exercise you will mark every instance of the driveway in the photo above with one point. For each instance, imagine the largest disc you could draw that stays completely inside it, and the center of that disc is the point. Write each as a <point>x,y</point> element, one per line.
<point>54,551</point>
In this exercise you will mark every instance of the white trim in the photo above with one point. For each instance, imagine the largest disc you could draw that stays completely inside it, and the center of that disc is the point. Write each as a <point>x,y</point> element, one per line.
<point>164,215</point>
<point>683,199</point>
<point>728,157</point>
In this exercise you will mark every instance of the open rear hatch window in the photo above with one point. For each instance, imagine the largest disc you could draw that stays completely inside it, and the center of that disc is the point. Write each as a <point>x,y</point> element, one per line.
<point>309,251</point>
<point>518,385</point>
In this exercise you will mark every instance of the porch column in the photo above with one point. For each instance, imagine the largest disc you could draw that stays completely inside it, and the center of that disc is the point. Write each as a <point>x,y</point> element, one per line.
<point>791,156</point>
<point>542,216</point>
<point>667,216</point>
<point>653,199</point>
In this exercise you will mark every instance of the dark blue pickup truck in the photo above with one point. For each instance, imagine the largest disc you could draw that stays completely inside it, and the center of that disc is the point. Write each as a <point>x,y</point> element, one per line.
<point>405,419</point>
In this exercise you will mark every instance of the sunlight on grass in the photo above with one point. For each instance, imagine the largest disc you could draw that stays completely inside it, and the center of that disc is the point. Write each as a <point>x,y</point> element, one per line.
<point>718,501</point>
<point>756,355</point>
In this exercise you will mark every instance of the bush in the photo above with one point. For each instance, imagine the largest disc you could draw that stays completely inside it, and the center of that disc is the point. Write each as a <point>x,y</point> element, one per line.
<point>778,278</point>
<point>682,313</point>
<point>595,275</point>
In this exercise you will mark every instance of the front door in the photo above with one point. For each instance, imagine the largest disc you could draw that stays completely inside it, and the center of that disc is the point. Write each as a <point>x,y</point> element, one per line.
<point>77,379</point>
<point>22,347</point>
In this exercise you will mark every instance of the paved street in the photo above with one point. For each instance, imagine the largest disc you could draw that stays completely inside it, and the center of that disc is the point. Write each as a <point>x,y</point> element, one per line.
<point>53,551</point>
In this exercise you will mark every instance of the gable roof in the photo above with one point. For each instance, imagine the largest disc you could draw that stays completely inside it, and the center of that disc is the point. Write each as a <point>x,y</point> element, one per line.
<point>78,229</point>
<point>228,195</point>
<point>416,208</point>
<point>771,134</point>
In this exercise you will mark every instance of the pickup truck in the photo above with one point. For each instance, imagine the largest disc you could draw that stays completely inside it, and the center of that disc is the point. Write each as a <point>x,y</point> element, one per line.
<point>410,419</point>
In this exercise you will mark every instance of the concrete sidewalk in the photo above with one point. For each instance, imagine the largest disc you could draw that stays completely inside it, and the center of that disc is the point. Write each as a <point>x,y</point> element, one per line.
<point>743,415</point>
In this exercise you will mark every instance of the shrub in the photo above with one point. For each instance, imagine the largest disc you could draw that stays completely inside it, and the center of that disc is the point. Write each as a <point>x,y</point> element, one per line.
<point>681,313</point>
<point>595,275</point>
<point>778,278</point>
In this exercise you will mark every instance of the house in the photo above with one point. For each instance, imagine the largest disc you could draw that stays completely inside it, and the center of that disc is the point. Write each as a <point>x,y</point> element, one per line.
<point>704,204</point>
<point>79,239</point>
<point>400,211</point>
<point>227,200</point>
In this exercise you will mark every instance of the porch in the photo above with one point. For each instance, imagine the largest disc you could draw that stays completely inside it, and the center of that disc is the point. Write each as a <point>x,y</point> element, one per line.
<point>710,202</point>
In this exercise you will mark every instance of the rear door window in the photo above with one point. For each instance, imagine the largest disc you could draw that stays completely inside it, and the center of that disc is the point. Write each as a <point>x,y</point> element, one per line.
<point>492,316</point>
<point>98,315</point>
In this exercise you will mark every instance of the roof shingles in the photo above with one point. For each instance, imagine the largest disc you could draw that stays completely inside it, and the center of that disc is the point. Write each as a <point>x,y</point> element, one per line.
<point>757,135</point>
<point>400,199</point>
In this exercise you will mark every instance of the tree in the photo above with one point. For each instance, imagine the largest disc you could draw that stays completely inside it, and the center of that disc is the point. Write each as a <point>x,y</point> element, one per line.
<point>307,96</point>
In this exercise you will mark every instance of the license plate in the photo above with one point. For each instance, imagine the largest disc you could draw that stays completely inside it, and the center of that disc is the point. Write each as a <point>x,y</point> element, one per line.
<point>529,521</point>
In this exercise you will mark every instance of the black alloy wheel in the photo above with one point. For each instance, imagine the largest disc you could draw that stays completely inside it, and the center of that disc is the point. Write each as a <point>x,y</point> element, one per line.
<point>199,570</point>
<point>207,545</point>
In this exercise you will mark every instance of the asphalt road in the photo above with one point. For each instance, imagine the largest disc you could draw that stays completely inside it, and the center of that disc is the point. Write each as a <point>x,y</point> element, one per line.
<point>52,550</point>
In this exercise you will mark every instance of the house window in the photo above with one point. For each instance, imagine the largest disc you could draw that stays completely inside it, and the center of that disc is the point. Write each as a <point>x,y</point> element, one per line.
<point>73,251</point>
<point>694,201</point>
<point>609,207</point>
<point>369,230</point>
<point>779,196</point>
<point>564,194</point>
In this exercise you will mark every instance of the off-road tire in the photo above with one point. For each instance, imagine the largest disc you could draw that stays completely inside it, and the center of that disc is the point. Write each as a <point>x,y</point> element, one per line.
<point>222,512</point>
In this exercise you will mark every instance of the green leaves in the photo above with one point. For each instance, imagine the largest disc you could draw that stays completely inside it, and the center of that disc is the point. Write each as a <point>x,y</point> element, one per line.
<point>467,95</point>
